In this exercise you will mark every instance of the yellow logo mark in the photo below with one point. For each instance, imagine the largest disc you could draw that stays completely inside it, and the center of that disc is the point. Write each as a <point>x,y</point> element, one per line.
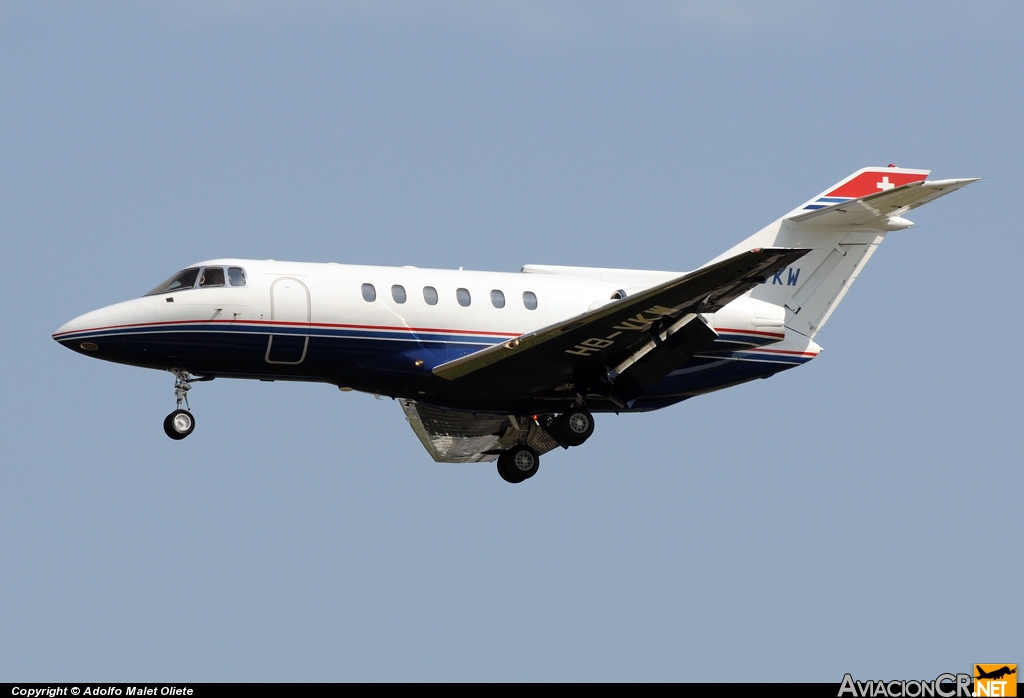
<point>995,680</point>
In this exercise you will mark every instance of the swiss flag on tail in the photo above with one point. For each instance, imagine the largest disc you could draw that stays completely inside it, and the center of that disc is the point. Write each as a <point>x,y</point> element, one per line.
<point>873,181</point>
<point>870,180</point>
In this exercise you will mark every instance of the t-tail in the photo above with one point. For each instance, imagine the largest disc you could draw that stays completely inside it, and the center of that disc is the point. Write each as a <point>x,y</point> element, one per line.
<point>842,226</point>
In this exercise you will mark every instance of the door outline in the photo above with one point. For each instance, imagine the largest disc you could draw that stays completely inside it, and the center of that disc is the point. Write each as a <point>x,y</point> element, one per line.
<point>270,339</point>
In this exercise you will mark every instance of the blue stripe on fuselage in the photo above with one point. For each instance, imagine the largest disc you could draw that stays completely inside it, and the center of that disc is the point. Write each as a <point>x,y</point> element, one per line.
<point>364,358</point>
<point>394,334</point>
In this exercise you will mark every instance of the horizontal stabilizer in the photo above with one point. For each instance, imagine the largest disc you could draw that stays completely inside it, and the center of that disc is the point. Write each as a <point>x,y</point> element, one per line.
<point>881,210</point>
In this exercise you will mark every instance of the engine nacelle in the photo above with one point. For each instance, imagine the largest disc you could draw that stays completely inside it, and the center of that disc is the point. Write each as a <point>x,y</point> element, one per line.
<point>748,322</point>
<point>618,295</point>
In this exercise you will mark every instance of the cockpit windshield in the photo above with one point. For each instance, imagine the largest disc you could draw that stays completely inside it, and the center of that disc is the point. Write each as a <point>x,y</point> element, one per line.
<point>179,282</point>
<point>212,276</point>
<point>208,277</point>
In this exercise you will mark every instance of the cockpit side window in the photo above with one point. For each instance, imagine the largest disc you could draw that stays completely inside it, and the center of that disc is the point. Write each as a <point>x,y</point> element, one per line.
<point>236,276</point>
<point>183,280</point>
<point>212,276</point>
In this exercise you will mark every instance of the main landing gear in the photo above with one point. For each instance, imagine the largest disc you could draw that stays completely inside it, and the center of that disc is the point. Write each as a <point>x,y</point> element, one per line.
<point>574,426</point>
<point>181,423</point>
<point>521,460</point>
<point>518,463</point>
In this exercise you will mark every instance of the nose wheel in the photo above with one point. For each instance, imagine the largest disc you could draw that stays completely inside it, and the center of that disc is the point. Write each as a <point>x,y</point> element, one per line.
<point>181,423</point>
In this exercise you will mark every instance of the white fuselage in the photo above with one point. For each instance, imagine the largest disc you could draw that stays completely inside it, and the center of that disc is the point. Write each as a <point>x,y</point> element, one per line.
<point>382,329</point>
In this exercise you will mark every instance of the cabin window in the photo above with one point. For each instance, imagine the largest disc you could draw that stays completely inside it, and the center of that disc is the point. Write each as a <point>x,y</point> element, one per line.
<point>369,293</point>
<point>462,295</point>
<point>236,276</point>
<point>212,276</point>
<point>497,299</point>
<point>430,295</point>
<point>398,293</point>
<point>530,300</point>
<point>181,281</point>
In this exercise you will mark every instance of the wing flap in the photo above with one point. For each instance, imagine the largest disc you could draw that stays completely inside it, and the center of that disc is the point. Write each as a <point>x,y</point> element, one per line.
<point>635,377</point>
<point>457,436</point>
<point>452,436</point>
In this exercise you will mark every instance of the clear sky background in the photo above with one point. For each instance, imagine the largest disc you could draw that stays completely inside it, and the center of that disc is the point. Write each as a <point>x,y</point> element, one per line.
<point>858,514</point>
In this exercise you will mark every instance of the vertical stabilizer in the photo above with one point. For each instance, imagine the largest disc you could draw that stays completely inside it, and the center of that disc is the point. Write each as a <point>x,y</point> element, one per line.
<point>843,227</point>
<point>870,180</point>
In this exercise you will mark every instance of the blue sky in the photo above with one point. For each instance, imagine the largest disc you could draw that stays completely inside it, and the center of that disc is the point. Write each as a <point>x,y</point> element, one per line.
<point>853,515</point>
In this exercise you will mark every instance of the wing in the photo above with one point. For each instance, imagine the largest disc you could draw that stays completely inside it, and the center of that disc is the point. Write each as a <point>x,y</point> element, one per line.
<point>875,210</point>
<point>456,436</point>
<point>637,336</point>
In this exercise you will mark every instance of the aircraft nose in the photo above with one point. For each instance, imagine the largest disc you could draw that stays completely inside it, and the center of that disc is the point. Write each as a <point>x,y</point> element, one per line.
<point>81,333</point>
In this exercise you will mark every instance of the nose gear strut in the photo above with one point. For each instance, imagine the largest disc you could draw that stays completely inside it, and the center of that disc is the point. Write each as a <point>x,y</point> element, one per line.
<point>182,384</point>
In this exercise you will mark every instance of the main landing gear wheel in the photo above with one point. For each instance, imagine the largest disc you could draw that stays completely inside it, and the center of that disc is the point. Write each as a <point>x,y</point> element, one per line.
<point>518,463</point>
<point>504,472</point>
<point>179,424</point>
<point>575,426</point>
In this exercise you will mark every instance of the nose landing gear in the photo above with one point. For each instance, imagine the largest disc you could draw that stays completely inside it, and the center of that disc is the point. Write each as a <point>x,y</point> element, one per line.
<point>181,423</point>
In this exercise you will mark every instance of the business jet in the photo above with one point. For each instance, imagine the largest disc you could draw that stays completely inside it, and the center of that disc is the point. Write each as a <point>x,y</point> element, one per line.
<point>508,366</point>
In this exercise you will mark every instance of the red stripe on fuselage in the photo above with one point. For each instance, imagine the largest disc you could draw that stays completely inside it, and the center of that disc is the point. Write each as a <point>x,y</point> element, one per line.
<point>757,332</point>
<point>383,328</point>
<point>780,351</point>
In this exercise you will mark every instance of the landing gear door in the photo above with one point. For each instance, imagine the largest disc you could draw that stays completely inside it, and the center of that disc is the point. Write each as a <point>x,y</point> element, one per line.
<point>290,314</point>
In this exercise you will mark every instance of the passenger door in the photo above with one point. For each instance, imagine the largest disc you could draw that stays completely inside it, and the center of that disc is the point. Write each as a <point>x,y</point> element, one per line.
<point>290,313</point>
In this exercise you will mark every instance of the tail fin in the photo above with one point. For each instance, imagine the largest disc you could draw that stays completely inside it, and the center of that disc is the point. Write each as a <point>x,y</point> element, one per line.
<point>843,226</point>
<point>870,180</point>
